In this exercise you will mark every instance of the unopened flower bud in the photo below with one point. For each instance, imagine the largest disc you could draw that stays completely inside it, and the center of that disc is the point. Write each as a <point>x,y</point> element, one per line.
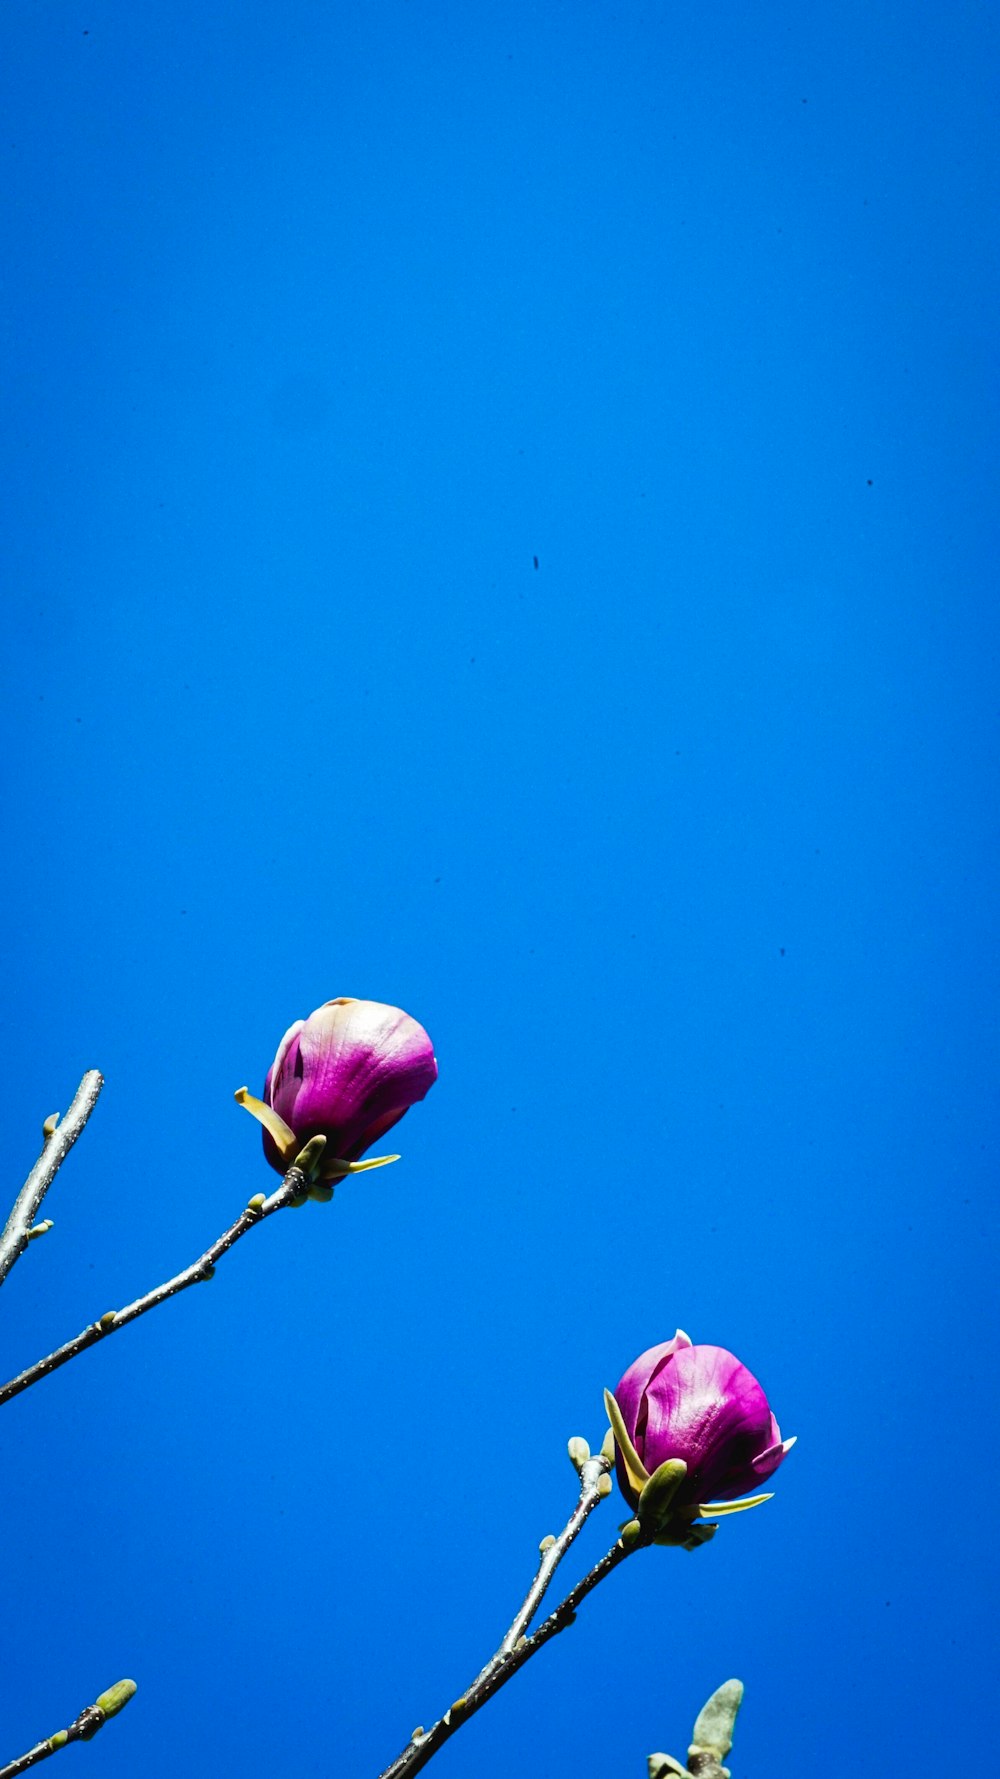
<point>698,1405</point>
<point>348,1073</point>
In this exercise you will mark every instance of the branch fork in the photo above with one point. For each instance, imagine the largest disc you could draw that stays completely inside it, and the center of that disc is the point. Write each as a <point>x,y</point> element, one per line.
<point>519,1643</point>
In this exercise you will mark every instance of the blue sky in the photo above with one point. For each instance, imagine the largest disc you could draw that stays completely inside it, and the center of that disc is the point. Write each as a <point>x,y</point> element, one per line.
<point>323,325</point>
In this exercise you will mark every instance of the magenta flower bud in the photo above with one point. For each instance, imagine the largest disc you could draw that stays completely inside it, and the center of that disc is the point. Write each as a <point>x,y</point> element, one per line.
<point>701,1405</point>
<point>347,1073</point>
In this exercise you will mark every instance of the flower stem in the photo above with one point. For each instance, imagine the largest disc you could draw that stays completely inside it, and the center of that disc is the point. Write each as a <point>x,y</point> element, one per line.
<point>291,1191</point>
<point>516,1648</point>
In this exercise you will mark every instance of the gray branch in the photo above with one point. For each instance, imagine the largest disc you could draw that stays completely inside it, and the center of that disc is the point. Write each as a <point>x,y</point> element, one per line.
<point>59,1140</point>
<point>91,1719</point>
<point>516,1648</point>
<point>292,1190</point>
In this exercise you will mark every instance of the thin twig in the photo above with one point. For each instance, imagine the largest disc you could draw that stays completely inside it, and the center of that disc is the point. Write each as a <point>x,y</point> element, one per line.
<point>90,1720</point>
<point>59,1140</point>
<point>516,1649</point>
<point>291,1191</point>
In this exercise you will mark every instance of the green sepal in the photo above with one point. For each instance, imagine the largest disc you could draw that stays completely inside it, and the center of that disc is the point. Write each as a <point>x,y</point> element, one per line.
<point>321,1192</point>
<point>635,1469</point>
<point>309,1159</point>
<point>701,1533</point>
<point>655,1509</point>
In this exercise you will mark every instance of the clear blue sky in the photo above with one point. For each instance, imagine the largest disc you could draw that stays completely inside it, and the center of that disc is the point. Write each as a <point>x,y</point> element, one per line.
<point>323,323</point>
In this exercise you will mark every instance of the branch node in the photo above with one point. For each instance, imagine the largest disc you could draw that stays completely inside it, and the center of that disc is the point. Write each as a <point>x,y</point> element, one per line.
<point>89,1722</point>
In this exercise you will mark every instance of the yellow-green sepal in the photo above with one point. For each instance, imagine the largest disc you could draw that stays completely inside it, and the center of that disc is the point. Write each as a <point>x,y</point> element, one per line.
<point>635,1470</point>
<point>655,1511</point>
<point>337,1170</point>
<point>719,1509</point>
<point>283,1138</point>
<point>701,1532</point>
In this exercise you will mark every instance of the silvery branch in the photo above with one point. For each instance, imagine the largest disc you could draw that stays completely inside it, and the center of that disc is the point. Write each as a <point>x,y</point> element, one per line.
<point>691,1429</point>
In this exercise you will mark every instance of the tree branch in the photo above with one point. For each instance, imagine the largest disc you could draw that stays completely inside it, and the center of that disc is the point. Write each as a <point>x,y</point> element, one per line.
<point>90,1720</point>
<point>516,1648</point>
<point>59,1140</point>
<point>292,1190</point>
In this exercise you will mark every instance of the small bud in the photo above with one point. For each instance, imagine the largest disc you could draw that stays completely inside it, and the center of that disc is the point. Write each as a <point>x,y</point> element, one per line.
<point>116,1697</point>
<point>546,1544</point>
<point>59,1740</point>
<point>107,1320</point>
<point>604,1486</point>
<point>664,1766</point>
<point>631,1534</point>
<point>418,1733</point>
<point>38,1229</point>
<point>713,1730</point>
<point>49,1127</point>
<point>256,1203</point>
<point>459,1709</point>
<point>579,1452</point>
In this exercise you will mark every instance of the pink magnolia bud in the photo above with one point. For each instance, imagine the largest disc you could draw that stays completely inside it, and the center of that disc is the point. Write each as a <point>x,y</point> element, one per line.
<point>701,1405</point>
<point>348,1073</point>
